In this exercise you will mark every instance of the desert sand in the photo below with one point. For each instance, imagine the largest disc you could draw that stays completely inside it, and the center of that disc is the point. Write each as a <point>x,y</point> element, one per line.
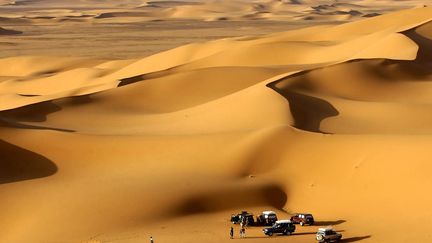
<point>111,132</point>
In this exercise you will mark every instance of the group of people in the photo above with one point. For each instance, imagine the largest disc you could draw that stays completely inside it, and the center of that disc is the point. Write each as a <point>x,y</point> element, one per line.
<point>242,232</point>
<point>243,224</point>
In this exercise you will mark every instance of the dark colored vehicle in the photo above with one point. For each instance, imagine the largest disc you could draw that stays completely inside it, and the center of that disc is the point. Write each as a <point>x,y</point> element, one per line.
<point>328,235</point>
<point>280,227</point>
<point>303,218</point>
<point>244,216</point>
<point>267,218</point>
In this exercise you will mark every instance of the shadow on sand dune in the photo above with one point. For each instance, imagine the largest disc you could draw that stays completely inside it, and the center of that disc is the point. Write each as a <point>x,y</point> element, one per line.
<point>233,198</point>
<point>143,77</point>
<point>278,235</point>
<point>307,111</point>
<point>304,233</point>
<point>31,113</point>
<point>9,32</point>
<point>346,240</point>
<point>329,223</point>
<point>18,164</point>
<point>424,41</point>
<point>355,239</point>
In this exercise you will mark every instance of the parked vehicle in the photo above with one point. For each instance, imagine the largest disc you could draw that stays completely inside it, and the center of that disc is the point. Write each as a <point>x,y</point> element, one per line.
<point>303,219</point>
<point>244,216</point>
<point>328,235</point>
<point>266,218</point>
<point>280,227</point>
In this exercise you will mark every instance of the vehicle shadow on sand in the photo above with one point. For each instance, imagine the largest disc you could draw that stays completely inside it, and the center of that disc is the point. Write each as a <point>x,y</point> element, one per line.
<point>329,223</point>
<point>278,235</point>
<point>355,239</point>
<point>304,233</point>
<point>346,240</point>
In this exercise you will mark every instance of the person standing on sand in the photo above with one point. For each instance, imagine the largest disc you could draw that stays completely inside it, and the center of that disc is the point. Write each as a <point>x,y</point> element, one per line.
<point>151,239</point>
<point>232,233</point>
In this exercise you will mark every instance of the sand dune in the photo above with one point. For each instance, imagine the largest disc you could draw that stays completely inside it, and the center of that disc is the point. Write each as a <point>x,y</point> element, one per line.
<point>7,2</point>
<point>9,32</point>
<point>330,119</point>
<point>292,55</point>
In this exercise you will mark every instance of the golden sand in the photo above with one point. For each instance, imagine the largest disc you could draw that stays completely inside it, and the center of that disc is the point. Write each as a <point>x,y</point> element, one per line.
<point>330,119</point>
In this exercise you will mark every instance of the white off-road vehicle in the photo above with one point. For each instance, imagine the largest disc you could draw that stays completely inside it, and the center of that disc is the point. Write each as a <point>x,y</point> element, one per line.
<point>328,235</point>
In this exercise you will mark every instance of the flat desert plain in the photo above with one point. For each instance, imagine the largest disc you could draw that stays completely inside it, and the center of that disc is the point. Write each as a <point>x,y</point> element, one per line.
<point>121,120</point>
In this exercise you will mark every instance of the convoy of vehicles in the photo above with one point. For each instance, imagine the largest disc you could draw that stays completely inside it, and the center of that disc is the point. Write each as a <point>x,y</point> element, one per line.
<point>266,218</point>
<point>285,227</point>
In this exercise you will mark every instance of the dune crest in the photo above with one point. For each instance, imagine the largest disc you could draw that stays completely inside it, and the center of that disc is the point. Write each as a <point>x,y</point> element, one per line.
<point>9,32</point>
<point>292,55</point>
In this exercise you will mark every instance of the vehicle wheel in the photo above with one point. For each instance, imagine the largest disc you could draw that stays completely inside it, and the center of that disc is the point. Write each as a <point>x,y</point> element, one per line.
<point>320,238</point>
<point>270,234</point>
<point>301,223</point>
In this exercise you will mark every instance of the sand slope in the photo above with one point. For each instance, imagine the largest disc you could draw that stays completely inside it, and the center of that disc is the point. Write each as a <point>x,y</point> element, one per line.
<point>9,32</point>
<point>332,120</point>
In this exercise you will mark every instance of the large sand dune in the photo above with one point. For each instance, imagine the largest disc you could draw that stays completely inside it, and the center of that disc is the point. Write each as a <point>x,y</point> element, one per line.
<point>330,119</point>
